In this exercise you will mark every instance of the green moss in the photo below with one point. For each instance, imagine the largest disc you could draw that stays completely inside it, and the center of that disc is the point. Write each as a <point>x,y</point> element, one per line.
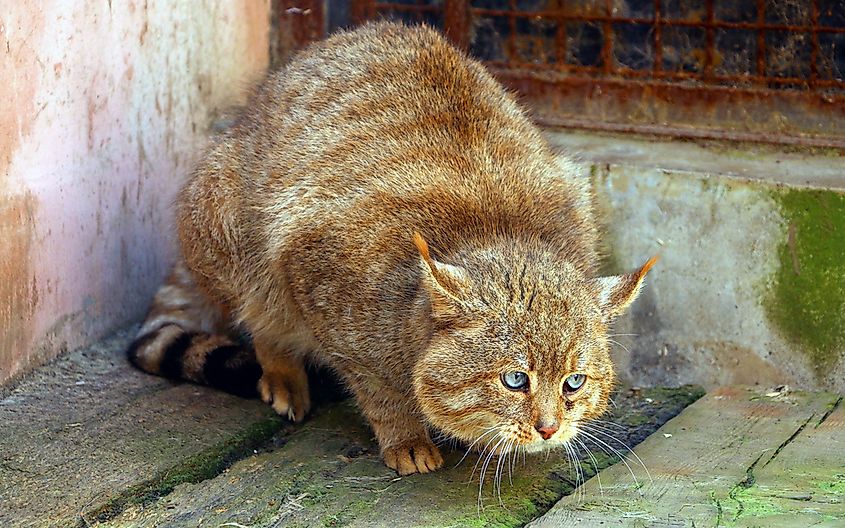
<point>676,396</point>
<point>834,487</point>
<point>807,301</point>
<point>336,489</point>
<point>203,466</point>
<point>756,505</point>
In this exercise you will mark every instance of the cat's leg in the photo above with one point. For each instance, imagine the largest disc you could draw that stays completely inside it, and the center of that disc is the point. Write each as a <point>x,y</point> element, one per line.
<point>403,438</point>
<point>284,382</point>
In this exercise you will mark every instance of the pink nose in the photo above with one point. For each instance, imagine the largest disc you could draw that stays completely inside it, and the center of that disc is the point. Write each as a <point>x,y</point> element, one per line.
<point>546,431</point>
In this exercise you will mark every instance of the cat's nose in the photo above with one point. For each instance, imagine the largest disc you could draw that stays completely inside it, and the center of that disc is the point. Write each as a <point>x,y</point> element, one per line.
<point>546,431</point>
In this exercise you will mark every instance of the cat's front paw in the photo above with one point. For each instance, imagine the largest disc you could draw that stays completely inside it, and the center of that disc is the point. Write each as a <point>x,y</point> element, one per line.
<point>417,457</point>
<point>287,392</point>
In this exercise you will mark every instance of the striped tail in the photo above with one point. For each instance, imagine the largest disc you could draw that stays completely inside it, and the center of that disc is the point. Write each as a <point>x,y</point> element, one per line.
<point>185,337</point>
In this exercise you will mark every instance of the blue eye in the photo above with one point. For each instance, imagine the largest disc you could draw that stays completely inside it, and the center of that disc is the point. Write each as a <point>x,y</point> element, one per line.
<point>574,382</point>
<point>515,380</point>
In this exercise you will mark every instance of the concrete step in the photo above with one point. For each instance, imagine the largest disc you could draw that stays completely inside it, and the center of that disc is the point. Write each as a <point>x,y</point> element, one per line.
<point>750,287</point>
<point>88,440</point>
<point>737,457</point>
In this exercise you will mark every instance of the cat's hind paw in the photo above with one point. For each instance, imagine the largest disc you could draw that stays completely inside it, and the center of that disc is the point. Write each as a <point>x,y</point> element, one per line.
<point>419,457</point>
<point>287,392</point>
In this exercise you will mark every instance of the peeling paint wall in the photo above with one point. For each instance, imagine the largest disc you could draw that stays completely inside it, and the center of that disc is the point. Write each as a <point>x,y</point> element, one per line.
<point>104,106</point>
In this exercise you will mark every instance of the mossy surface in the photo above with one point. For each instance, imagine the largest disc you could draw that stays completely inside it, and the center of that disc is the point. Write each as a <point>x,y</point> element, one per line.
<point>807,301</point>
<point>328,473</point>
<point>204,465</point>
<point>776,502</point>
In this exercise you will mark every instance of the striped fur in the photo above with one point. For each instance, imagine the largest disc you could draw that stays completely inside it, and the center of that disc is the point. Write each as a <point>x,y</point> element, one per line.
<point>184,336</point>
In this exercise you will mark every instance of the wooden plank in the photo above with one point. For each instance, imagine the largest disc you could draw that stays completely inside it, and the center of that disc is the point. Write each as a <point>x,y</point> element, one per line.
<point>737,457</point>
<point>88,434</point>
<point>328,473</point>
<point>802,484</point>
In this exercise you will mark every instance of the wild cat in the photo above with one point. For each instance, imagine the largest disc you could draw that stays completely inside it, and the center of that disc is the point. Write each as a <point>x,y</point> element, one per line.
<point>383,207</point>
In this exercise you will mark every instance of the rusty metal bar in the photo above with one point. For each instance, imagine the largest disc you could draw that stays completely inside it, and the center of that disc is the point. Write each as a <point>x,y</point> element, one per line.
<point>663,75</point>
<point>607,33</point>
<point>456,22</point>
<point>761,40</point>
<point>645,80</point>
<point>693,133</point>
<point>710,40</point>
<point>512,26</point>
<point>658,38</point>
<point>297,23</point>
<point>549,108</point>
<point>361,10</point>
<point>814,52</point>
<point>718,24</point>
<point>419,8</point>
<point>419,13</point>
<point>560,34</point>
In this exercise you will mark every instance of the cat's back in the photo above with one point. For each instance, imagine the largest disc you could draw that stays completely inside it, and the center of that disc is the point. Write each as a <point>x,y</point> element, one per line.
<point>390,116</point>
<point>360,102</point>
<point>374,133</point>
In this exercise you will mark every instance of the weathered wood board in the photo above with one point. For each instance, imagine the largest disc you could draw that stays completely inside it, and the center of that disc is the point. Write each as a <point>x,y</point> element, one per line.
<point>88,439</point>
<point>737,457</point>
<point>328,473</point>
<point>89,433</point>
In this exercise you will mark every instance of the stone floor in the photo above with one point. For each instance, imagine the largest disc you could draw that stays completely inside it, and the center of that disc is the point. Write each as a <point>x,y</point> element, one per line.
<point>89,441</point>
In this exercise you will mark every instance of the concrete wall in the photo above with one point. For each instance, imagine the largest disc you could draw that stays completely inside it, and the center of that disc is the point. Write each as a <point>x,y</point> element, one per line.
<point>750,288</point>
<point>104,106</point>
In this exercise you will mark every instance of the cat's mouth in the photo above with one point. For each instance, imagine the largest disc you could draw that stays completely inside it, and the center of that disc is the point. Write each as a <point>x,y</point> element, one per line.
<point>523,440</point>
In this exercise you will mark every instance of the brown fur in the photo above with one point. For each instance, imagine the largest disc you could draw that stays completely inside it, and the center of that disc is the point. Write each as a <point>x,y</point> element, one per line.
<point>301,222</point>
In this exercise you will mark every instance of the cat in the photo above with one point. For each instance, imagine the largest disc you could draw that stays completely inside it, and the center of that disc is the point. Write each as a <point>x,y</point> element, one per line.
<point>383,207</point>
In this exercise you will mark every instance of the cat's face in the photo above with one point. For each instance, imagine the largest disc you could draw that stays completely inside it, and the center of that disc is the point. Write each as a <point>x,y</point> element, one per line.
<point>521,378</point>
<point>522,363</point>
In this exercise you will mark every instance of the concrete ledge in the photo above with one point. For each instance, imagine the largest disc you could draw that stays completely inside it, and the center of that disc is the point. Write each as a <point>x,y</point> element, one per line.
<point>750,288</point>
<point>815,168</point>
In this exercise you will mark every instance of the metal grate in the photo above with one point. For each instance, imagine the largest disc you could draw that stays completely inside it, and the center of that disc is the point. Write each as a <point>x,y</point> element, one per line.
<point>760,70</point>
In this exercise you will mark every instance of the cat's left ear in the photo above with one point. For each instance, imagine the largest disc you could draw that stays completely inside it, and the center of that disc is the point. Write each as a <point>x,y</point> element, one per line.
<point>617,292</point>
<point>446,284</point>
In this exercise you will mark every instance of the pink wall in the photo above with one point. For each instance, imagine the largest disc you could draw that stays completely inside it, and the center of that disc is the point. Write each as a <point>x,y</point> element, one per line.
<point>104,107</point>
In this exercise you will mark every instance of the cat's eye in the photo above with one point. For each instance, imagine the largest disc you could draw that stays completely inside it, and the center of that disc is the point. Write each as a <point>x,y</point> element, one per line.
<point>573,382</point>
<point>515,380</point>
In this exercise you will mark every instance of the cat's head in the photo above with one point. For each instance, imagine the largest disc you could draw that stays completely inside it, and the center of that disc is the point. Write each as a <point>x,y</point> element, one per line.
<point>519,357</point>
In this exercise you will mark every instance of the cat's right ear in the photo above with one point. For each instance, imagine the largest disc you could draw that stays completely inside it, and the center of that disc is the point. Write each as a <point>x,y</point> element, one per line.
<point>617,292</point>
<point>445,283</point>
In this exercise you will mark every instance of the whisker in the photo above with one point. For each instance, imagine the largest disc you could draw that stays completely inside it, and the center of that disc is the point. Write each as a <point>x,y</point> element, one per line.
<point>604,432</point>
<point>595,464</point>
<point>617,343</point>
<point>577,467</point>
<point>481,455</point>
<point>484,468</point>
<point>512,467</point>
<point>497,477</point>
<point>613,451</point>
<point>607,423</point>
<point>486,432</point>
